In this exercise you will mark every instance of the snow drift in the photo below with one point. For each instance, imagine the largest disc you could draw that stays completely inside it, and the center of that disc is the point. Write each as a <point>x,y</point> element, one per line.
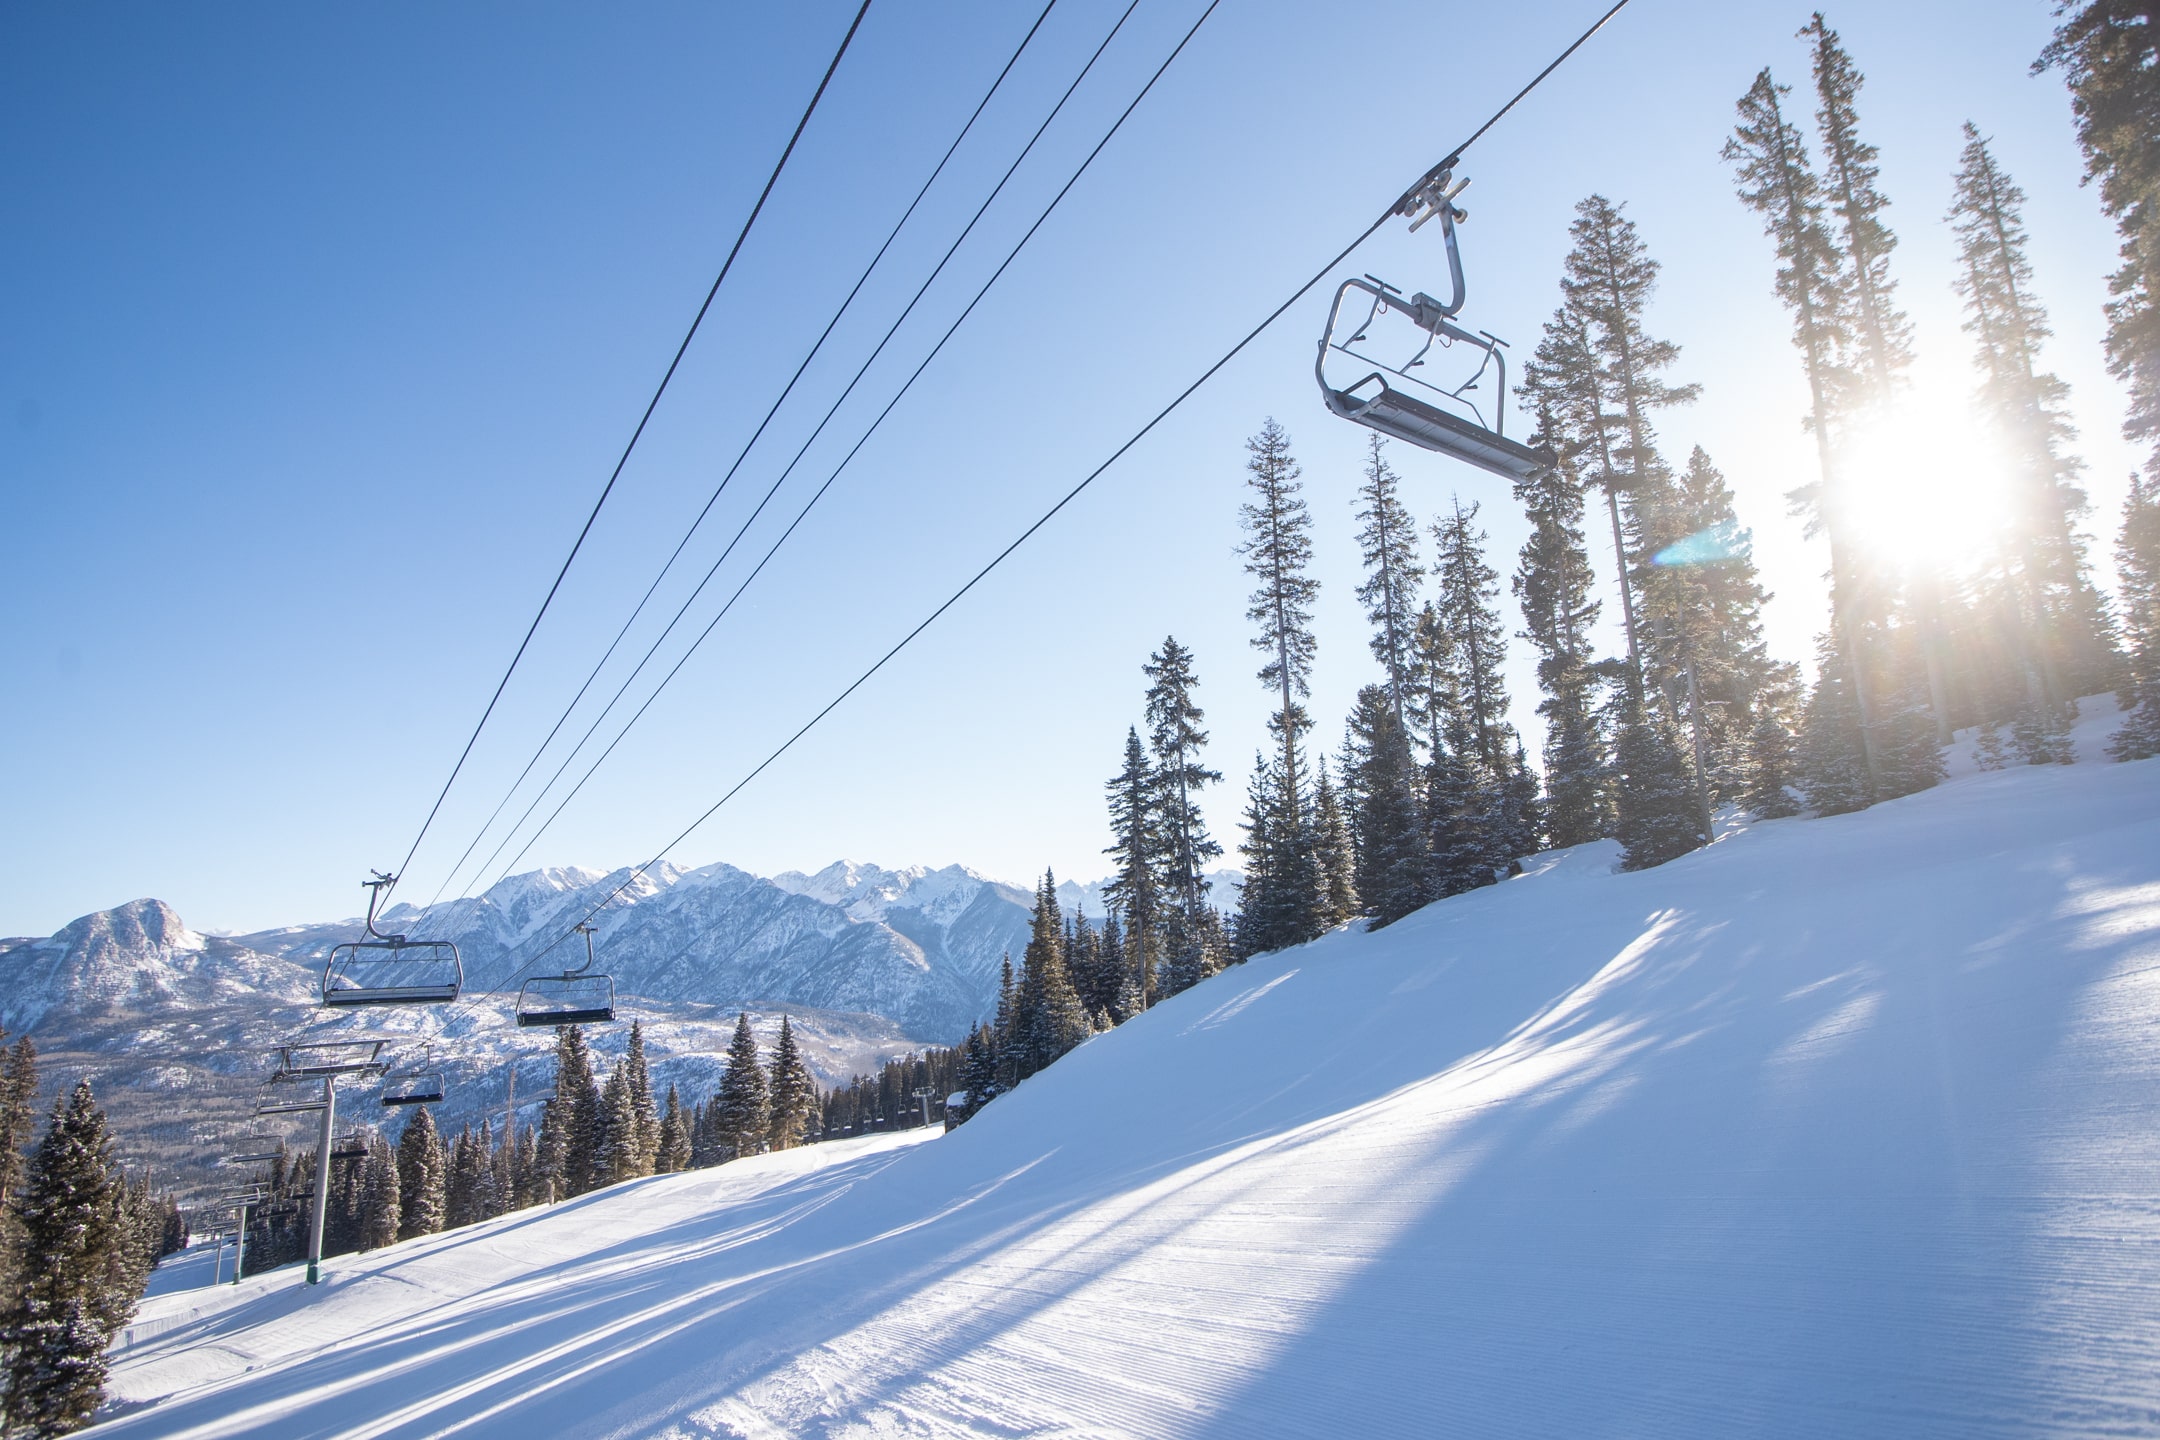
<point>1843,1126</point>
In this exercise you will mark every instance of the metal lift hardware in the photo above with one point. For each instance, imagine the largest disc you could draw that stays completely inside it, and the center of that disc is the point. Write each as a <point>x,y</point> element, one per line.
<point>390,969</point>
<point>1388,397</point>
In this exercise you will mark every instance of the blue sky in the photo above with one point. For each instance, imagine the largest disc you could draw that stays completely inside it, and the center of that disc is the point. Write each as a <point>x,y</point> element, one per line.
<point>325,326</point>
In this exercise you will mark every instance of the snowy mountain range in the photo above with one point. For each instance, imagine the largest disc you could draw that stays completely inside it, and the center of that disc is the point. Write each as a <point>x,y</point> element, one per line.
<point>173,1024</point>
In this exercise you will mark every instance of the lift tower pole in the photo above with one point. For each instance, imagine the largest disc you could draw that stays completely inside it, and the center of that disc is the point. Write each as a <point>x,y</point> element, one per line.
<point>322,1180</point>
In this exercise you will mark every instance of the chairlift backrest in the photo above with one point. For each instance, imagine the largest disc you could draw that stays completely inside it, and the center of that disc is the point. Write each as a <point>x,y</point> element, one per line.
<point>420,1088</point>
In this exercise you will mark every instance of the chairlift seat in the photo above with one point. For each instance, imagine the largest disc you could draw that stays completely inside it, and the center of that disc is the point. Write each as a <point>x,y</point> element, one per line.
<point>424,1089</point>
<point>1402,416</point>
<point>392,971</point>
<point>568,999</point>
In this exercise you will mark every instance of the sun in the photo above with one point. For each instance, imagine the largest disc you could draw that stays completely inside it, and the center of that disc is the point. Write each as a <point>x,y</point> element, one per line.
<point>1923,488</point>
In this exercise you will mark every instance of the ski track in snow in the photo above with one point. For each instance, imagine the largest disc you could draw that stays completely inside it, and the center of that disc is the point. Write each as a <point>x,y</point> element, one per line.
<point>1842,1127</point>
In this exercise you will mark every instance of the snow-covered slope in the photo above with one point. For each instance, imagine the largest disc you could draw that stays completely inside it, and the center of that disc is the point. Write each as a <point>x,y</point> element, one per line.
<point>1842,1127</point>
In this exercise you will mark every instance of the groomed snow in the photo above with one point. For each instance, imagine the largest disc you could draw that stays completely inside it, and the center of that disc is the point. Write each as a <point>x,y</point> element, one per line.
<point>1842,1127</point>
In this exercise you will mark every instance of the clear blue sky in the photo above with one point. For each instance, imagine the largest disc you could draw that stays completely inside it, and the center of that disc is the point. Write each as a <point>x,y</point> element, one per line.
<point>323,327</point>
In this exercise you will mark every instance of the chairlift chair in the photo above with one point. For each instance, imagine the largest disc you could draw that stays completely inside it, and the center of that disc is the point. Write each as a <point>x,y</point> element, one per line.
<point>391,969</point>
<point>575,997</point>
<point>1429,414</point>
<point>417,1087</point>
<point>349,1147</point>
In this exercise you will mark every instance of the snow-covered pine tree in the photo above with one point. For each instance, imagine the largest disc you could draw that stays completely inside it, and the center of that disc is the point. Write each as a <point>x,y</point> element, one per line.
<point>1833,772</point>
<point>1010,1029</point>
<point>18,1113</point>
<point>740,1110</point>
<point>1278,554</point>
<point>637,1076</point>
<point>1467,599</point>
<point>1391,876</point>
<point>1051,1012</point>
<point>2137,562</point>
<point>673,1155</point>
<point>421,1181</point>
<point>2065,631</point>
<point>2108,52</point>
<point>459,1208</point>
<point>1138,850</point>
<point>380,1208</point>
<point>579,1114</point>
<point>1458,846</point>
<point>1659,817</point>
<point>1387,542</point>
<point>73,1296</point>
<point>794,1103</point>
<point>1177,743</point>
<point>1771,774</point>
<point>619,1150</point>
<point>1520,829</point>
<point>1778,182</point>
<point>1334,853</point>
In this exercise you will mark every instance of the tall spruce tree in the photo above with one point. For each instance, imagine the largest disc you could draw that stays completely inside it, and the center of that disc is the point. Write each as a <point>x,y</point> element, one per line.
<point>793,1105</point>
<point>1138,849</point>
<point>1177,743</point>
<point>1278,551</point>
<point>637,1078</point>
<point>1467,601</point>
<point>2137,562</point>
<point>1607,283</point>
<point>1053,1017</point>
<point>2108,53</point>
<point>1391,855</point>
<point>1387,542</point>
<point>579,1114</point>
<point>380,1203</point>
<point>18,1114</point>
<point>74,1293</point>
<point>1778,182</point>
<point>1334,852</point>
<point>1659,820</point>
<point>1881,333</point>
<point>2065,632</point>
<point>422,1201</point>
<point>741,1113</point>
<point>673,1155</point>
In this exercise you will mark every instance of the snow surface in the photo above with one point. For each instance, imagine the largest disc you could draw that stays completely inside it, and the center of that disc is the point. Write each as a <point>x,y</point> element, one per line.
<point>1840,1127</point>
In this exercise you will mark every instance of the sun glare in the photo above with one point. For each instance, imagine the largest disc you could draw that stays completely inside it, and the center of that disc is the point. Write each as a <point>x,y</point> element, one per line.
<point>1924,488</point>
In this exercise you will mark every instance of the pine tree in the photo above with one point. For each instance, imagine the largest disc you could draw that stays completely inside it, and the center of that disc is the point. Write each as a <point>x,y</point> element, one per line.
<point>1777,181</point>
<point>1607,282</point>
<point>75,1290</point>
<point>1467,603</point>
<point>2065,630</point>
<point>979,1077</point>
<point>619,1129</point>
<point>1458,850</point>
<point>1281,902</point>
<point>2137,562</point>
<point>422,1200</point>
<point>1278,552</point>
<point>1833,772</point>
<point>1387,541</point>
<point>742,1115</point>
<point>382,1213</point>
<point>1881,332</point>
<point>794,1094</point>
<point>638,1077</point>
<point>1053,1019</point>
<point>674,1152</point>
<point>1138,849</point>
<point>1334,854</point>
<point>1659,819</point>
<point>2108,52</point>
<point>1767,794</point>
<point>1010,1027</point>
<point>1391,877</point>
<point>18,1100</point>
<point>579,1115</point>
<point>1177,741</point>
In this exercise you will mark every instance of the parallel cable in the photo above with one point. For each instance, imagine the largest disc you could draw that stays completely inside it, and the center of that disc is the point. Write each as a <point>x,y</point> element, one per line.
<point>740,455</point>
<point>651,405</point>
<point>980,575</point>
<point>804,449</point>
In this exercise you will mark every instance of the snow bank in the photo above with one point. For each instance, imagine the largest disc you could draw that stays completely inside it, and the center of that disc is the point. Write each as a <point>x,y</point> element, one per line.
<point>1843,1126</point>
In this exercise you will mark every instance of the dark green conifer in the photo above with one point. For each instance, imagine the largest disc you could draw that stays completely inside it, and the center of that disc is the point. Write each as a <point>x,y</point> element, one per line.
<point>1659,817</point>
<point>2137,562</point>
<point>793,1092</point>
<point>422,1201</point>
<point>741,1112</point>
<point>1387,541</point>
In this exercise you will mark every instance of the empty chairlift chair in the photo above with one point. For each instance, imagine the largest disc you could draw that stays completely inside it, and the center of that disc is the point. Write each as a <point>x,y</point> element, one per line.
<point>575,997</point>
<point>413,1087</point>
<point>390,969</point>
<point>1466,419</point>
